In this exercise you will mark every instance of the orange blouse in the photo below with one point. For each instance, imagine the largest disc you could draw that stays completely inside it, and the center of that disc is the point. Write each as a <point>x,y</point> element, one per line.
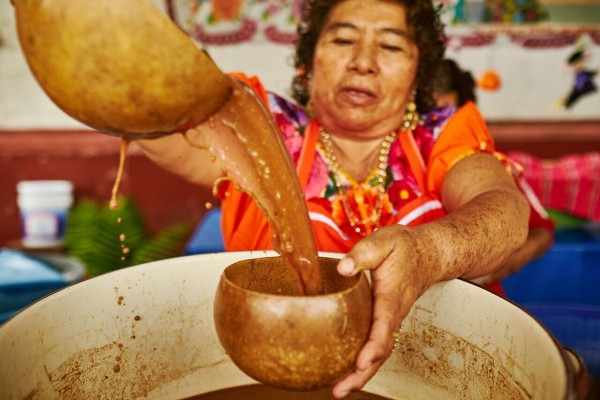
<point>245,227</point>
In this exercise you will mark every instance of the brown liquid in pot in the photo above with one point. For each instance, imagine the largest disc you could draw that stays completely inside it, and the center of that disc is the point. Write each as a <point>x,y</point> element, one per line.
<point>262,392</point>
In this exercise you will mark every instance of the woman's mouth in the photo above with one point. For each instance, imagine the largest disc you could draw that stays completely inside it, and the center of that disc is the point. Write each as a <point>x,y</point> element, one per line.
<point>358,96</point>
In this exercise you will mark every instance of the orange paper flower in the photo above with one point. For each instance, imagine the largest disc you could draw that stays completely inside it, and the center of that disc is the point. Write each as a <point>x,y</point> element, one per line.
<point>226,10</point>
<point>490,80</point>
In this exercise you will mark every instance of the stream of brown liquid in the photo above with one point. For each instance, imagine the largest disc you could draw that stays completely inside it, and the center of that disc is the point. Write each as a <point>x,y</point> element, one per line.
<point>114,201</point>
<point>256,159</point>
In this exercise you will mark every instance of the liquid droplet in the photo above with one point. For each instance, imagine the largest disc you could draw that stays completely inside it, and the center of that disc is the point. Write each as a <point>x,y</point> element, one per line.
<point>113,204</point>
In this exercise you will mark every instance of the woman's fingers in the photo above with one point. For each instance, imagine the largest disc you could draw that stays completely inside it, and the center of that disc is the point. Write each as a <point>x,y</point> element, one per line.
<point>354,381</point>
<point>390,263</point>
<point>369,254</point>
<point>376,350</point>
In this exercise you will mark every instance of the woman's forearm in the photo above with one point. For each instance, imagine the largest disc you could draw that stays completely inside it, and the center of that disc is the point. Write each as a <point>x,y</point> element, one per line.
<point>487,221</point>
<point>181,157</point>
<point>475,240</point>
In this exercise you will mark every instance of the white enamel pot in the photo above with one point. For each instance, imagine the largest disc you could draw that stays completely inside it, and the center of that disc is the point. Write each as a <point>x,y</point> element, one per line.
<point>148,332</point>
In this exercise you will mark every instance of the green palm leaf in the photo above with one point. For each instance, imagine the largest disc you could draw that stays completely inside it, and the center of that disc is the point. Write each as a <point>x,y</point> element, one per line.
<point>106,240</point>
<point>167,244</point>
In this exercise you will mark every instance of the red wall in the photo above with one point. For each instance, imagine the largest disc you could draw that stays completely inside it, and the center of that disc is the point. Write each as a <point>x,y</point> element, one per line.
<point>547,139</point>
<point>90,160</point>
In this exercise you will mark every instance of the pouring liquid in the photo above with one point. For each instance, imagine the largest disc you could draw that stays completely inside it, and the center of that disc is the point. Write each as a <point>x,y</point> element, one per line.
<point>256,159</point>
<point>114,202</point>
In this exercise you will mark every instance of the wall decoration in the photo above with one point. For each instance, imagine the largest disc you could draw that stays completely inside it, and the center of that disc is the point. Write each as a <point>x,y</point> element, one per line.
<point>583,82</point>
<point>457,12</point>
<point>515,11</point>
<point>514,47</point>
<point>489,80</point>
<point>227,22</point>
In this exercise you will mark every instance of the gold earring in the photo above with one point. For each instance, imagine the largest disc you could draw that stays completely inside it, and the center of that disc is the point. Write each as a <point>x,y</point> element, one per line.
<point>411,118</point>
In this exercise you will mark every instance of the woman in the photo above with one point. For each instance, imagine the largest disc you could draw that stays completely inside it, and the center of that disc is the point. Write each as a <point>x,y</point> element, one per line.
<point>414,204</point>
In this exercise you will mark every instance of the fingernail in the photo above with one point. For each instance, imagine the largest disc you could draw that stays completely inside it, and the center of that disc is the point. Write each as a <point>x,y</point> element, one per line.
<point>346,265</point>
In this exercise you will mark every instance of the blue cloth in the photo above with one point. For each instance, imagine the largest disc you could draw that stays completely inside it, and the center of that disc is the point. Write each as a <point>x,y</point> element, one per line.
<point>561,291</point>
<point>207,238</point>
<point>16,268</point>
<point>23,280</point>
<point>567,274</point>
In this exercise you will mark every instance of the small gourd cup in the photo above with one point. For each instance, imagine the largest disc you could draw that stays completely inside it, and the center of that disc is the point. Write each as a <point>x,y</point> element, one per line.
<point>286,340</point>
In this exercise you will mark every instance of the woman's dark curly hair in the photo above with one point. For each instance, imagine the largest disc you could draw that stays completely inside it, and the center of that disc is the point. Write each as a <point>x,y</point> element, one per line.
<point>423,22</point>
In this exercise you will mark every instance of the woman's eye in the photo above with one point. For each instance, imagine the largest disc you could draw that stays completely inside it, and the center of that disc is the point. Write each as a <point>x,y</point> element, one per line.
<point>342,41</point>
<point>391,47</point>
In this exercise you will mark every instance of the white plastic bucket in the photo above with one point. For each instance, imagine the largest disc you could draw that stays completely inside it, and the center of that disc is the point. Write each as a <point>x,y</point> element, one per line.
<point>44,206</point>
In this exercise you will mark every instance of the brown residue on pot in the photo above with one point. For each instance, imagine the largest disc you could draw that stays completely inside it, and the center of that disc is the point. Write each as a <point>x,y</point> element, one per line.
<point>454,365</point>
<point>89,372</point>
<point>142,366</point>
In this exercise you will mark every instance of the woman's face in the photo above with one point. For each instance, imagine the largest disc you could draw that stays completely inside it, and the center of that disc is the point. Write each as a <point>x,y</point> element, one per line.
<point>364,68</point>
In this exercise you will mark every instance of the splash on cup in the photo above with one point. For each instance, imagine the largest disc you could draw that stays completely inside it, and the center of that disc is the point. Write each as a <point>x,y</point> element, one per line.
<point>44,206</point>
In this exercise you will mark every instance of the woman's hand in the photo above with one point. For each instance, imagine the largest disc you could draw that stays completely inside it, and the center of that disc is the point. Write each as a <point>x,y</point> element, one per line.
<point>486,223</point>
<point>399,279</point>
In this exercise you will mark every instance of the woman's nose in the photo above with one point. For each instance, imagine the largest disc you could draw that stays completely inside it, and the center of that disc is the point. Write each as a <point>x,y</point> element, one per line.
<point>364,59</point>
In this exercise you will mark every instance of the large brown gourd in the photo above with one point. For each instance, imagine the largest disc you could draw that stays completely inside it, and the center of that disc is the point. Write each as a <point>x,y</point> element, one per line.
<point>120,67</point>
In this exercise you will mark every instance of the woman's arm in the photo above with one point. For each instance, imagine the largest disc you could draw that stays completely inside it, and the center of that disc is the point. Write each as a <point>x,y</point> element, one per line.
<point>180,156</point>
<point>487,221</point>
<point>539,241</point>
<point>186,154</point>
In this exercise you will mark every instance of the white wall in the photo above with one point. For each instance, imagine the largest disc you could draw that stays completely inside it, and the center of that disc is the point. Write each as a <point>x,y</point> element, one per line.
<point>23,104</point>
<point>534,80</point>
